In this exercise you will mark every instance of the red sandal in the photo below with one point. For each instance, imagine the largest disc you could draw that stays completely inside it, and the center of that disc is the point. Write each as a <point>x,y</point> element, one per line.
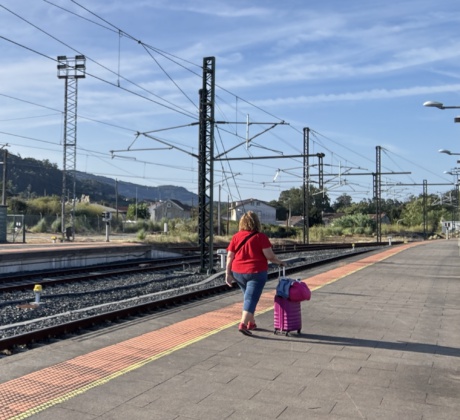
<point>242,328</point>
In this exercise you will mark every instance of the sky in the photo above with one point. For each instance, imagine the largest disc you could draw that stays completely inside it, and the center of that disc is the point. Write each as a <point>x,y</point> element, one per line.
<point>356,73</point>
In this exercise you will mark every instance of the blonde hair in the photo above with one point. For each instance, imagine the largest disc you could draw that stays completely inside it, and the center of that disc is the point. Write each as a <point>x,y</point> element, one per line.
<point>250,221</point>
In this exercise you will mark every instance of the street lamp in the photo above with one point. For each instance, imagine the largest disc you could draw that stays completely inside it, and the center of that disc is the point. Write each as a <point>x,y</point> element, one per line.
<point>439,105</point>
<point>447,152</point>
<point>455,172</point>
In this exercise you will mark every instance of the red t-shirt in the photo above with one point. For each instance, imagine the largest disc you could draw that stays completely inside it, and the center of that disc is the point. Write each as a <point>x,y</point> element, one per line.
<point>250,258</point>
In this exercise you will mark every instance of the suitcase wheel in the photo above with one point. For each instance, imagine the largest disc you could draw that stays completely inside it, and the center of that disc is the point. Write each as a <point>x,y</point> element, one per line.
<point>298,331</point>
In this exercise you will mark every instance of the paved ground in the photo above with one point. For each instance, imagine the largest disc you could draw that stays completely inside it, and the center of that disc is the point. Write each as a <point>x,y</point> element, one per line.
<point>380,340</point>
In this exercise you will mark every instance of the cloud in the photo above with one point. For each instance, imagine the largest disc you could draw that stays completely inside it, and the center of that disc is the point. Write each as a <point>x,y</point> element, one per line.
<point>365,95</point>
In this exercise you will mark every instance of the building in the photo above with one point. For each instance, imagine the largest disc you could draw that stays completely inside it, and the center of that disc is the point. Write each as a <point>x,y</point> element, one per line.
<point>169,209</point>
<point>266,213</point>
<point>295,221</point>
<point>450,226</point>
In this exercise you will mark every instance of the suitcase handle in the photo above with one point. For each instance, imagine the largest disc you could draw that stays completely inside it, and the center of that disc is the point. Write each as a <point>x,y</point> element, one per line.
<point>279,271</point>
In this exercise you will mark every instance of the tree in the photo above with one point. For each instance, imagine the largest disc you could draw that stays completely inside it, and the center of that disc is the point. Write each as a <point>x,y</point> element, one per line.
<point>392,208</point>
<point>365,206</point>
<point>319,204</point>
<point>292,200</point>
<point>412,213</point>
<point>141,213</point>
<point>342,202</point>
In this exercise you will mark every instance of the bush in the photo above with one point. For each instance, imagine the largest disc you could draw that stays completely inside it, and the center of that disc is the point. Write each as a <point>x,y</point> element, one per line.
<point>40,227</point>
<point>334,231</point>
<point>348,231</point>
<point>368,231</point>
<point>273,231</point>
<point>141,234</point>
<point>317,233</point>
<point>56,226</point>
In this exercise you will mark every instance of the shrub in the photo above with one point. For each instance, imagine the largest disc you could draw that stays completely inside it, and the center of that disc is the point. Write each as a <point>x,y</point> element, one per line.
<point>368,230</point>
<point>347,231</point>
<point>273,231</point>
<point>334,231</point>
<point>317,233</point>
<point>40,227</point>
<point>56,226</point>
<point>141,234</point>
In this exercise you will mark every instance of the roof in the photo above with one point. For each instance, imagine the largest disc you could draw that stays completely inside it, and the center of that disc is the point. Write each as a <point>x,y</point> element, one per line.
<point>177,203</point>
<point>294,220</point>
<point>248,201</point>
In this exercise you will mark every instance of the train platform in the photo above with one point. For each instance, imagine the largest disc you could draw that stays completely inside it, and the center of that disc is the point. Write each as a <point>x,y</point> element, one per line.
<point>380,340</point>
<point>41,255</point>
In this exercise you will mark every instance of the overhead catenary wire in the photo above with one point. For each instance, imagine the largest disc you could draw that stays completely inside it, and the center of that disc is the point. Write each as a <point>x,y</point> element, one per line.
<point>120,33</point>
<point>89,74</point>
<point>115,28</point>
<point>169,104</point>
<point>148,46</point>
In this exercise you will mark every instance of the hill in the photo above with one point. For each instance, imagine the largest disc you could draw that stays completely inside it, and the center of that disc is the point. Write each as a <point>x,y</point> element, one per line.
<point>28,177</point>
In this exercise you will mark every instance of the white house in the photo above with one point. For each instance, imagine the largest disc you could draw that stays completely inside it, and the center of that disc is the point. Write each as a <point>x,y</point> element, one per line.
<point>266,213</point>
<point>169,209</point>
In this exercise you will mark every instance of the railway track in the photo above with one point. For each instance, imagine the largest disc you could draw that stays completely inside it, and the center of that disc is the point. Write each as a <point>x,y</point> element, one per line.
<point>20,282</point>
<point>189,258</point>
<point>213,285</point>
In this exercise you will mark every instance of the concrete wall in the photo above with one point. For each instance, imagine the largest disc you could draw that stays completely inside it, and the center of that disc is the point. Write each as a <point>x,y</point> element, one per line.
<point>73,257</point>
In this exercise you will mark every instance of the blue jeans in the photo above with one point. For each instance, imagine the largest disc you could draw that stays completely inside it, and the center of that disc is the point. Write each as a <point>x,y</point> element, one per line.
<point>252,285</point>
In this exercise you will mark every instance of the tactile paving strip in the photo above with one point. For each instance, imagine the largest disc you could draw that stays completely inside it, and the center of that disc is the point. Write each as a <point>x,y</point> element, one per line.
<point>32,393</point>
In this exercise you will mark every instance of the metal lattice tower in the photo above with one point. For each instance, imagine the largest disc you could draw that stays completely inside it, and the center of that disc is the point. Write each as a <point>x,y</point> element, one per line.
<point>70,69</point>
<point>321,171</point>
<point>306,186</point>
<point>206,166</point>
<point>378,192</point>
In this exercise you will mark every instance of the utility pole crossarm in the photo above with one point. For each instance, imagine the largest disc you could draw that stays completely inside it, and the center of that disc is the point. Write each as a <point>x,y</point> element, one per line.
<point>273,125</point>
<point>399,184</point>
<point>270,157</point>
<point>370,173</point>
<point>169,145</point>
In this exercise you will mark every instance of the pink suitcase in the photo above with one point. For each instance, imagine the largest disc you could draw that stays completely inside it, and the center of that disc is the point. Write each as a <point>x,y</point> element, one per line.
<point>287,315</point>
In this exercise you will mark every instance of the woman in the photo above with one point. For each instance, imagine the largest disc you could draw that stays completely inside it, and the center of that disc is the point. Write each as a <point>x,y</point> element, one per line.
<point>247,264</point>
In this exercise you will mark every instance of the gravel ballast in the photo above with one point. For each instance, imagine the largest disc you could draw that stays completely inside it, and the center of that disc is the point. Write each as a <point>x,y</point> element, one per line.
<point>71,301</point>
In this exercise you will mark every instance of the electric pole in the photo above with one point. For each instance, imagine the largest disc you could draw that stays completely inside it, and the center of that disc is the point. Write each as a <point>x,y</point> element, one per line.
<point>70,69</point>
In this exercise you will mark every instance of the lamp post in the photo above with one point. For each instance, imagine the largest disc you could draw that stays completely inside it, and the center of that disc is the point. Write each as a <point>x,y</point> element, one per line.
<point>447,152</point>
<point>440,105</point>
<point>455,172</point>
